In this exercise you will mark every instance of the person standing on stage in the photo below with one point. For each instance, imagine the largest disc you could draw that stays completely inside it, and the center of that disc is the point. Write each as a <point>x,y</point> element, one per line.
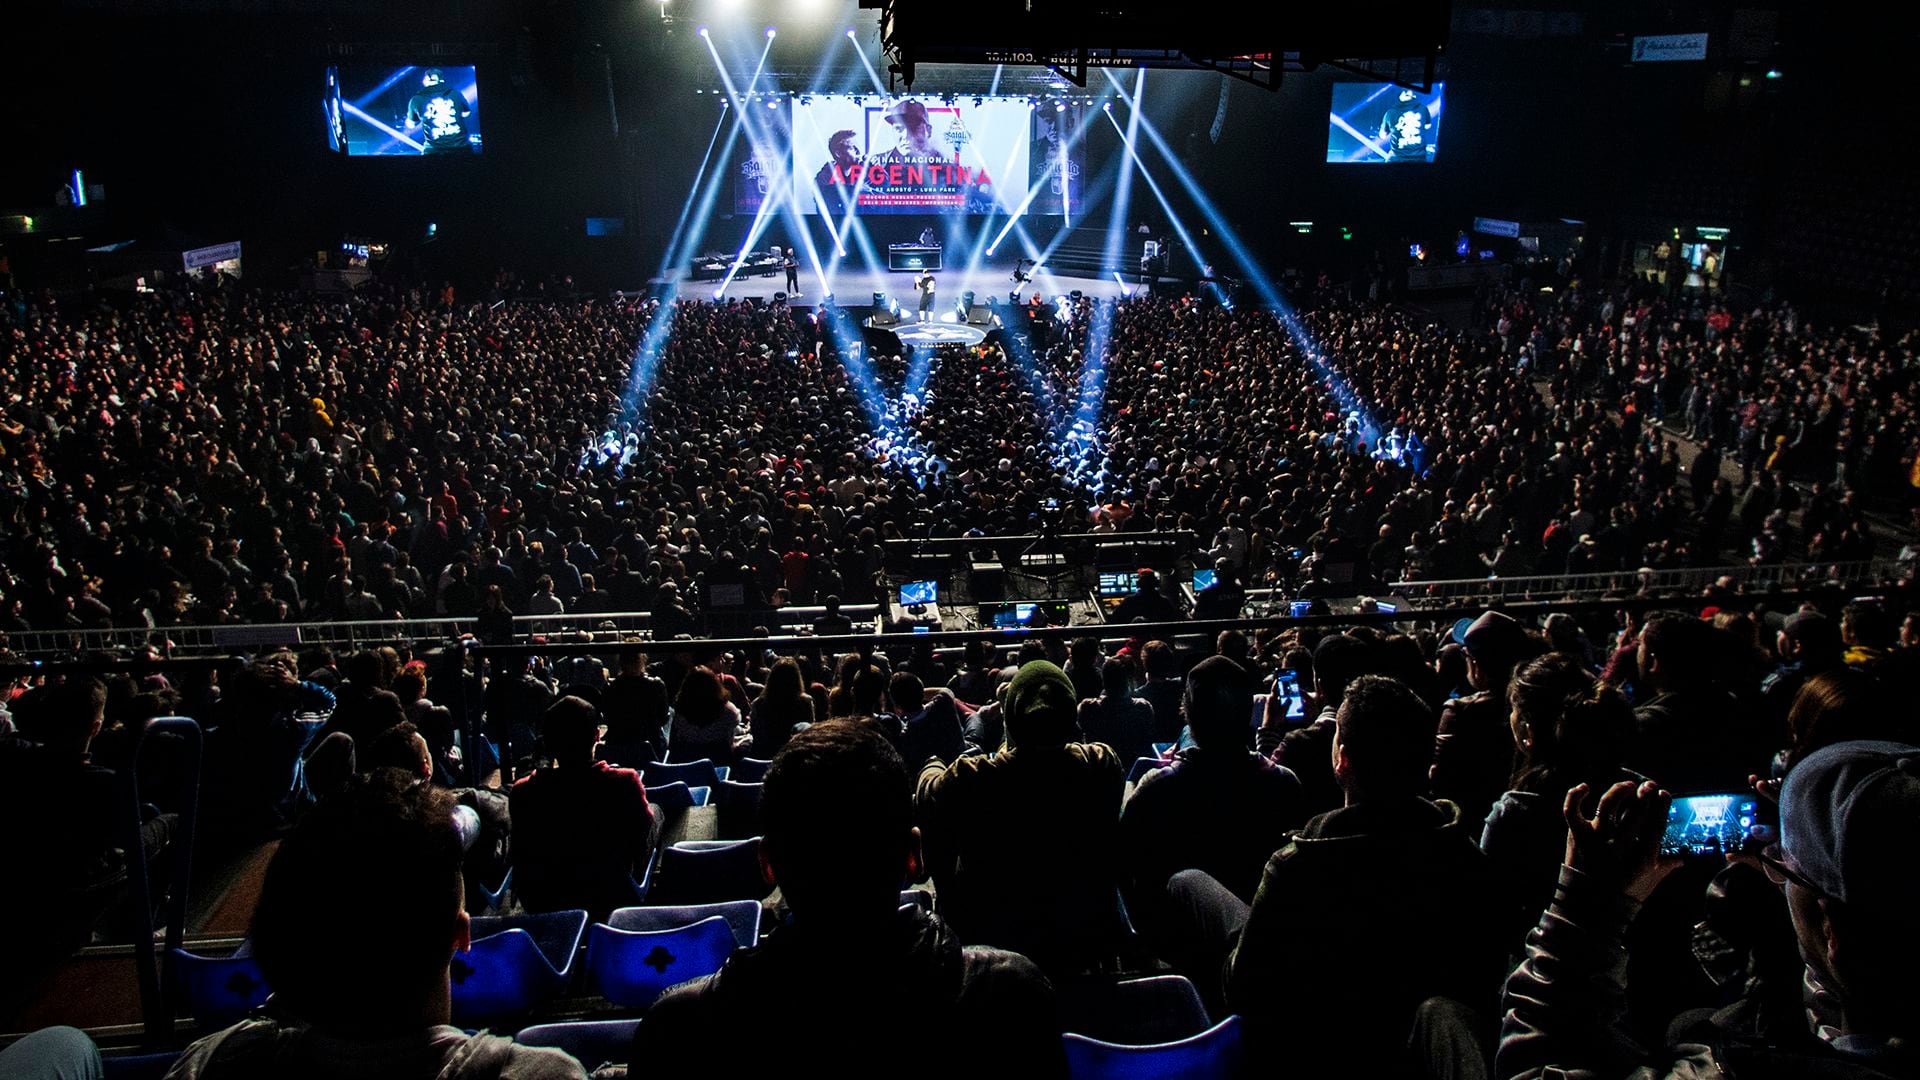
<point>924,283</point>
<point>793,273</point>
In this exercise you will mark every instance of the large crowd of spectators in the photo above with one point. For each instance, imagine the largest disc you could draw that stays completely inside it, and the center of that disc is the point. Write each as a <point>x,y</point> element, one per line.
<point>1440,856</point>
<point>215,455</point>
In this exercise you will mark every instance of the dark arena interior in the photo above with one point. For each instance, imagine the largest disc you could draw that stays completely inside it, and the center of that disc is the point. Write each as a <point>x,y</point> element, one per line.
<point>961,509</point>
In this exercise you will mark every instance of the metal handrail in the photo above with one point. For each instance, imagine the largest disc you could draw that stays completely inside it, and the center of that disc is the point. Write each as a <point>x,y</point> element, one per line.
<point>1627,582</point>
<point>190,638</point>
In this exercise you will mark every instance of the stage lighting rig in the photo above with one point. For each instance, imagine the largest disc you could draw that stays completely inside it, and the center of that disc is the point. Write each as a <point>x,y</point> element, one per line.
<point>1397,41</point>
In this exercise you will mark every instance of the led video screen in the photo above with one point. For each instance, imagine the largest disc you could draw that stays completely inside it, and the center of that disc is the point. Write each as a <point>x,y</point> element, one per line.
<point>1383,124</point>
<point>413,110</point>
<point>913,155</point>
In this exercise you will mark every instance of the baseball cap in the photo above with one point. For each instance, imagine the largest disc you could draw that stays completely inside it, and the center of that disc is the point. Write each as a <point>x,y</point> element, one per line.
<point>906,111</point>
<point>1848,815</point>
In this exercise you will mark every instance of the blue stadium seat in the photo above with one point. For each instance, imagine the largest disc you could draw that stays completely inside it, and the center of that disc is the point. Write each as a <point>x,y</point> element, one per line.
<point>742,915</point>
<point>710,871</point>
<point>1143,766</point>
<point>516,962</point>
<point>1214,1054</point>
<point>632,968</point>
<point>138,1066</point>
<point>678,795</point>
<point>739,805</point>
<point>494,896</point>
<point>592,1042</point>
<point>219,989</point>
<point>750,770</point>
<point>1152,1010</point>
<point>702,773</point>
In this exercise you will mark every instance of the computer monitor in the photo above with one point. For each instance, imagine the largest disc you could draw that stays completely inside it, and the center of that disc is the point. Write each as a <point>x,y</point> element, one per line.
<point>1202,579</point>
<point>1299,608</point>
<point>1014,615</point>
<point>923,629</point>
<point>1119,583</point>
<point>918,593</point>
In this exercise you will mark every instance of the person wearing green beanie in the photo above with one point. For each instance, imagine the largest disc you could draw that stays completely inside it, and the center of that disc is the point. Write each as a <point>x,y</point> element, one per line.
<point>1023,844</point>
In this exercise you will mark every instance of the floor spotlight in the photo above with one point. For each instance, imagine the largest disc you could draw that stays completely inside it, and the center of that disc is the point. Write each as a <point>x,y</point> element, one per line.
<point>703,31</point>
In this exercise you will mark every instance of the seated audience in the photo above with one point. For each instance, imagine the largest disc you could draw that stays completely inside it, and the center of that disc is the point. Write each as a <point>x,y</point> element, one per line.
<point>582,829</point>
<point>852,983</point>
<point>1022,843</point>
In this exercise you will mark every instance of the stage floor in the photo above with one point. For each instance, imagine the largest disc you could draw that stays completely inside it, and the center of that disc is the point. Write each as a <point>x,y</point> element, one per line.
<point>854,287</point>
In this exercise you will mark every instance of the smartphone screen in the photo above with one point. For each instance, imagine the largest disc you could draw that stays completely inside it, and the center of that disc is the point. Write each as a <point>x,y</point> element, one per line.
<point>1709,824</point>
<point>1286,686</point>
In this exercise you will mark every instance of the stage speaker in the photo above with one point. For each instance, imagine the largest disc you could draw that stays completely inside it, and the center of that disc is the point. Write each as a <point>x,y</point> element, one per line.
<point>988,581</point>
<point>979,315</point>
<point>883,317</point>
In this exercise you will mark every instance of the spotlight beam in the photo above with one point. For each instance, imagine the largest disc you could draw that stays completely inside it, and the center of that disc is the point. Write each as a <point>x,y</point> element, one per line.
<point>1250,267</point>
<point>1123,190</point>
<point>362,114</point>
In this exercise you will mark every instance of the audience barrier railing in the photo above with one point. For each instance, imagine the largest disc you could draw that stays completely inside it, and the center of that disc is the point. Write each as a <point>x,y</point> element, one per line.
<point>353,633</point>
<point>1687,581</point>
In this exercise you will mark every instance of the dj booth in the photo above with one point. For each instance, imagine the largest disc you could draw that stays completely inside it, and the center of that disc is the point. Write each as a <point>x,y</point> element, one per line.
<point>913,257</point>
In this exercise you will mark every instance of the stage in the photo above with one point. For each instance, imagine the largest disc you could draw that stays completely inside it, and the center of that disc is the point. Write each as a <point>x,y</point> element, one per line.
<point>853,286</point>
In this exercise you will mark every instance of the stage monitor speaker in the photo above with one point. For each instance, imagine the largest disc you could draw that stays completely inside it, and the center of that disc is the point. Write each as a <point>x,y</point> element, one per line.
<point>979,315</point>
<point>883,317</point>
<point>988,581</point>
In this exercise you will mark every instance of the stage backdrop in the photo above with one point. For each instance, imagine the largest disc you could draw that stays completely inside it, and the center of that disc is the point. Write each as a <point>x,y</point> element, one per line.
<point>913,155</point>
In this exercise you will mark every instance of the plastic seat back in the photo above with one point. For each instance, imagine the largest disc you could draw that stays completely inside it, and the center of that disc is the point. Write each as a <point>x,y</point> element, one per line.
<point>592,1042</point>
<point>739,804</point>
<point>220,989</point>
<point>632,968</point>
<point>515,963</point>
<point>748,770</point>
<point>1156,1009</point>
<point>742,915</point>
<point>678,795</point>
<point>1143,766</point>
<point>1214,1054</point>
<point>702,773</point>
<point>708,872</point>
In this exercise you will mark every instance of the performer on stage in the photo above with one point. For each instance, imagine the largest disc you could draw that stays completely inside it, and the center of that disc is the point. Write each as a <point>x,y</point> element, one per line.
<point>793,273</point>
<point>440,113</point>
<point>927,238</point>
<point>924,283</point>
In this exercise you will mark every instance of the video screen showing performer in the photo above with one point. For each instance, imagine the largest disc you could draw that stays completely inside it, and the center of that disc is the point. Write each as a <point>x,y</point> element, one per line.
<point>844,158</point>
<point>440,114</point>
<point>907,155</point>
<point>1383,124</point>
<point>404,111</point>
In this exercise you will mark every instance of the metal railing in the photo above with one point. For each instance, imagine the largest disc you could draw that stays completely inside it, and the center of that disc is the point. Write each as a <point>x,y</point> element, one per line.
<point>1688,581</point>
<point>188,640</point>
<point>1417,595</point>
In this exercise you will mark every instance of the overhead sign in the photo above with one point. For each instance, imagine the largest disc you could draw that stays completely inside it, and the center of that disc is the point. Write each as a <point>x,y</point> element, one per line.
<point>207,256</point>
<point>1496,226</point>
<point>1670,47</point>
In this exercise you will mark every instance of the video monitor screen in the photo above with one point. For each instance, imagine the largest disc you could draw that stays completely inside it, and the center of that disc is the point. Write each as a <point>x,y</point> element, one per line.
<point>917,155</point>
<point>1383,124</point>
<point>1202,579</point>
<point>916,593</point>
<point>1119,583</point>
<point>403,111</point>
<point>1017,615</point>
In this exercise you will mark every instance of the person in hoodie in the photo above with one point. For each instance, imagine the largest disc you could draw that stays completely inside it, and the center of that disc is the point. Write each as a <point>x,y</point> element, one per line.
<point>852,983</point>
<point>359,919</point>
<point>1375,926</point>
